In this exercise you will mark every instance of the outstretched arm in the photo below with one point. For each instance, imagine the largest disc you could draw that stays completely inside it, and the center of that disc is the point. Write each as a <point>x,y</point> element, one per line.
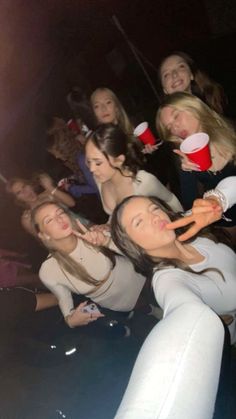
<point>47,183</point>
<point>209,209</point>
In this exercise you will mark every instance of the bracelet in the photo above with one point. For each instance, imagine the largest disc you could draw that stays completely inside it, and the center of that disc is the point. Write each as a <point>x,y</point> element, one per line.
<point>53,191</point>
<point>219,195</point>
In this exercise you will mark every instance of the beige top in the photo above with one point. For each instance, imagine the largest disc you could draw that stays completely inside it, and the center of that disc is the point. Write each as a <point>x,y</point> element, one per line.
<point>120,292</point>
<point>147,184</point>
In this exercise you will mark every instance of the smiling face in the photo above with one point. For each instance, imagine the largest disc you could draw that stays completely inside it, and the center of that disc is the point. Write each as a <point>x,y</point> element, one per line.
<point>104,107</point>
<point>145,223</point>
<point>23,192</point>
<point>102,168</point>
<point>180,123</point>
<point>53,222</point>
<point>175,75</point>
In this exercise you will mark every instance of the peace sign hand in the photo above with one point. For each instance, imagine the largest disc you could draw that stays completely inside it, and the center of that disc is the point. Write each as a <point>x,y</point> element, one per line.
<point>96,238</point>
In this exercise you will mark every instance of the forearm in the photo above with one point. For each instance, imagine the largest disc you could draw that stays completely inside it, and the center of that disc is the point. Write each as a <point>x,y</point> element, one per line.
<point>178,360</point>
<point>63,197</point>
<point>224,193</point>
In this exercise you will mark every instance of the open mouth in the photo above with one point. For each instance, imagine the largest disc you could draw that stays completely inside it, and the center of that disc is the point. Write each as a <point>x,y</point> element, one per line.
<point>183,134</point>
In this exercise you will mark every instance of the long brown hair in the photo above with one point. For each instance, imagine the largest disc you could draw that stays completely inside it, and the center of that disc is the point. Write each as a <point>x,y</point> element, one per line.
<point>142,262</point>
<point>112,141</point>
<point>62,139</point>
<point>202,86</point>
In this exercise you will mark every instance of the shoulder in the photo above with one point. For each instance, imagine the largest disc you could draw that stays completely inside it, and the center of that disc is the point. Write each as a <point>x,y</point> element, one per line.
<point>49,269</point>
<point>163,278</point>
<point>144,177</point>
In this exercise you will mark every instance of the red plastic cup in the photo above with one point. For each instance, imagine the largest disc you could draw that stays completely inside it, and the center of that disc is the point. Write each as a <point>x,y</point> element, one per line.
<point>144,134</point>
<point>72,124</point>
<point>197,149</point>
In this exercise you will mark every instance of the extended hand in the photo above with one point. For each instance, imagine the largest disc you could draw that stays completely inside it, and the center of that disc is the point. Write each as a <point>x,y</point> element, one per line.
<point>46,182</point>
<point>81,318</point>
<point>96,238</point>
<point>204,212</point>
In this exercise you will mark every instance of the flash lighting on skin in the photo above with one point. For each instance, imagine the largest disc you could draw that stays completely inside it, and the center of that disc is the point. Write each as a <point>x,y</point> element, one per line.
<point>61,413</point>
<point>70,352</point>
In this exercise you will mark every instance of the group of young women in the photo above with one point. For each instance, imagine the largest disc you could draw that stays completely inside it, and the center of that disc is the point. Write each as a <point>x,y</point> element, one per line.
<point>144,240</point>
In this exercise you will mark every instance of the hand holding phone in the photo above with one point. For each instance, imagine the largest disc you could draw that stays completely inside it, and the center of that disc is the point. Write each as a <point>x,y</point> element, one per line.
<point>91,308</point>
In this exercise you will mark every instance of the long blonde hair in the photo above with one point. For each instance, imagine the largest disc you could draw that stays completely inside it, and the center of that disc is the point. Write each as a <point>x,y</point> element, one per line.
<point>122,117</point>
<point>220,131</point>
<point>65,261</point>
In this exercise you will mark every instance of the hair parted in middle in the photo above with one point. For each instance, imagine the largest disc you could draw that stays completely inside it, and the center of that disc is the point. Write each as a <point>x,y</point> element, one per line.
<point>112,141</point>
<point>65,261</point>
<point>143,263</point>
<point>122,117</point>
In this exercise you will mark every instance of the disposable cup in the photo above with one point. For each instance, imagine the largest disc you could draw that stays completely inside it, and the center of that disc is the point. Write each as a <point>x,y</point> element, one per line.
<point>144,134</point>
<point>197,149</point>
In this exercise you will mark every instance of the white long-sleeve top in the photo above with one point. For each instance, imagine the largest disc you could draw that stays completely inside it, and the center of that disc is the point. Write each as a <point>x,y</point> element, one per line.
<point>120,292</point>
<point>147,184</point>
<point>177,370</point>
<point>227,186</point>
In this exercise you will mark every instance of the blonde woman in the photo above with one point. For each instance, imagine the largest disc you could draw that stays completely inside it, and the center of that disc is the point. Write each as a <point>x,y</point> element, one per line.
<point>183,114</point>
<point>80,262</point>
<point>116,166</point>
<point>26,195</point>
<point>108,109</point>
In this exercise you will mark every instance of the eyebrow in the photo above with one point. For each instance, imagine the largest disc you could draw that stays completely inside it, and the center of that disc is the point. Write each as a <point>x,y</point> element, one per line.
<point>135,217</point>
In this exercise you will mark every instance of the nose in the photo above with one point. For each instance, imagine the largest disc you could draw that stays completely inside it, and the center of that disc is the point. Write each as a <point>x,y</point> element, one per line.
<point>174,74</point>
<point>59,218</point>
<point>103,107</point>
<point>92,167</point>
<point>155,219</point>
<point>175,127</point>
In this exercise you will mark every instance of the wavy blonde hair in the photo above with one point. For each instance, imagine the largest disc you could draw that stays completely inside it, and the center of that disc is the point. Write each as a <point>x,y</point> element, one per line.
<point>122,117</point>
<point>65,261</point>
<point>220,131</point>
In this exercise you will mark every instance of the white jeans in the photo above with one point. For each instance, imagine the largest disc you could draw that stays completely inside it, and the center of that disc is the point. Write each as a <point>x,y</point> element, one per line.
<point>177,370</point>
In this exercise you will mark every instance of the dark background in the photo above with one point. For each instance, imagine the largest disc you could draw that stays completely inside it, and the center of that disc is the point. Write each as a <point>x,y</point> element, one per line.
<point>49,46</point>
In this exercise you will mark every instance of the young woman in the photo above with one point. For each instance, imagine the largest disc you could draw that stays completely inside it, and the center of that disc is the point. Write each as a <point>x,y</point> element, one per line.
<point>77,265</point>
<point>108,109</point>
<point>191,282</point>
<point>25,194</point>
<point>182,115</point>
<point>63,145</point>
<point>179,73</point>
<point>115,164</point>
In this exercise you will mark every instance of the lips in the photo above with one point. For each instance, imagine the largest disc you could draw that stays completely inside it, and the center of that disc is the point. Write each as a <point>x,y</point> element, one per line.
<point>177,84</point>
<point>183,134</point>
<point>65,226</point>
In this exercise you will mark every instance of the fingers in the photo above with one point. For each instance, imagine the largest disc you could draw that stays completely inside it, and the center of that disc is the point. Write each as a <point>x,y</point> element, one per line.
<point>82,305</point>
<point>180,223</point>
<point>187,165</point>
<point>190,233</point>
